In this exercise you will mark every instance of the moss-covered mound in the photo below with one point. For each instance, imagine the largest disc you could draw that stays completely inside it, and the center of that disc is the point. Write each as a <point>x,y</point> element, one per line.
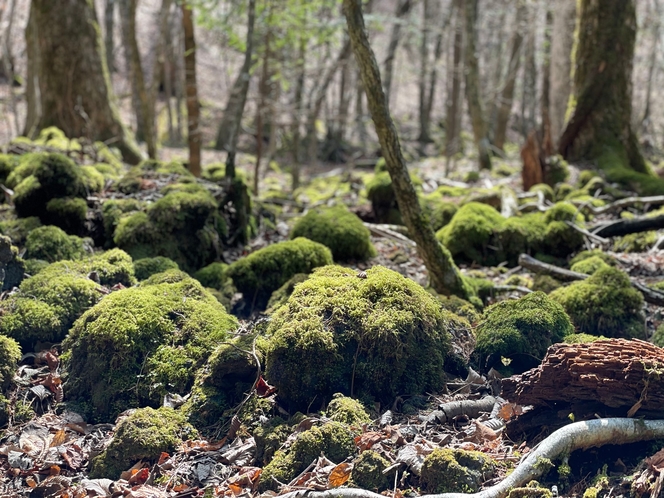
<point>368,471</point>
<point>281,295</point>
<point>146,267</point>
<point>375,337</point>
<point>213,275</point>
<point>137,344</point>
<point>635,242</point>
<point>347,411</point>
<point>604,304</point>
<point>338,229</point>
<point>589,265</point>
<point>138,177</point>
<point>51,243</point>
<point>185,227</point>
<point>455,471</point>
<point>143,435</point>
<point>10,355</point>
<point>521,331</point>
<point>12,267</point>
<point>258,275</point>
<point>607,258</point>
<point>18,229</point>
<point>333,439</point>
<point>383,199</point>
<point>439,210</point>
<point>113,210</point>
<point>67,213</point>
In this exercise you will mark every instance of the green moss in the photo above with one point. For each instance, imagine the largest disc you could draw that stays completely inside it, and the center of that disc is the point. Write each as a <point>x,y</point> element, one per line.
<point>455,471</point>
<point>7,164</point>
<point>607,258</point>
<point>520,330</point>
<point>53,244</point>
<point>146,267</point>
<point>135,345</point>
<point>517,235</point>
<point>460,307</point>
<point>143,435</point>
<point>439,210</point>
<point>19,229</point>
<point>562,190</point>
<point>635,242</point>
<point>10,355</point>
<point>30,320</point>
<point>338,229</point>
<point>530,491</point>
<point>347,411</point>
<point>269,439</point>
<point>556,170</point>
<point>546,190</point>
<point>258,275</point>
<point>545,283</point>
<point>589,265</point>
<point>213,275</point>
<point>605,303</point>
<point>93,179</point>
<point>281,295</point>
<point>374,337</point>
<point>112,212</point>
<point>170,276</point>
<point>68,214</point>
<point>187,187</point>
<point>658,336</point>
<point>520,280</point>
<point>333,440</point>
<point>368,470</point>
<point>34,266</point>
<point>582,338</point>
<point>585,176</point>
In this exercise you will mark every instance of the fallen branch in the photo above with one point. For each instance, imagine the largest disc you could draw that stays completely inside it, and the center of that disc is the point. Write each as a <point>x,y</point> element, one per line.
<point>656,200</point>
<point>590,235</point>
<point>625,227</point>
<point>447,412</point>
<point>651,296</point>
<point>576,436</point>
<point>389,231</point>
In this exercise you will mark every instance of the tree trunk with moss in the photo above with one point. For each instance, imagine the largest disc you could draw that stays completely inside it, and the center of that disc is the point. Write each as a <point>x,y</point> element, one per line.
<point>191,90</point>
<point>444,275</point>
<point>74,87</point>
<point>473,96</point>
<point>599,128</point>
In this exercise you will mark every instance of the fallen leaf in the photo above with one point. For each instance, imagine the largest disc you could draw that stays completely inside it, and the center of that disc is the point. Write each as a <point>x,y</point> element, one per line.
<point>163,457</point>
<point>656,462</point>
<point>263,388</point>
<point>340,474</point>
<point>367,440</point>
<point>58,438</point>
<point>139,476</point>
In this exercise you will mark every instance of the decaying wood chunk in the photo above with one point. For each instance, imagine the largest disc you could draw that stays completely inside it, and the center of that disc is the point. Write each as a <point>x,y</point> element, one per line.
<point>614,372</point>
<point>531,174</point>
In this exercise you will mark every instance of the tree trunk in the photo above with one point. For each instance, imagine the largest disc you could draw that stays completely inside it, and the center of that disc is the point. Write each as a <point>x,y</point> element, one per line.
<point>453,108</point>
<point>191,90</point>
<point>161,67</point>
<point>496,63</point>
<point>529,95</point>
<point>32,95</point>
<point>545,133</point>
<point>600,128</point>
<point>403,8</point>
<point>473,95</point>
<point>507,95</point>
<point>564,19</point>
<point>140,94</point>
<point>229,128</point>
<point>109,28</point>
<point>76,94</point>
<point>425,135</point>
<point>444,275</point>
<point>298,100</point>
<point>652,64</point>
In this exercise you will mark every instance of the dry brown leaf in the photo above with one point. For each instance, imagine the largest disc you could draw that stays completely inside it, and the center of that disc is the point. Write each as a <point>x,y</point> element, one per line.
<point>235,488</point>
<point>367,440</point>
<point>58,438</point>
<point>340,474</point>
<point>483,433</point>
<point>54,470</point>
<point>31,482</point>
<point>510,410</point>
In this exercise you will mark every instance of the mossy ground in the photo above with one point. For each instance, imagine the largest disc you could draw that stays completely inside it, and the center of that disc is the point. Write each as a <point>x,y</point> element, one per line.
<point>455,471</point>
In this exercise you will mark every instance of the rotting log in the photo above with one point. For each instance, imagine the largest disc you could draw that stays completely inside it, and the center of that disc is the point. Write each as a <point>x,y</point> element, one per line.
<point>625,227</point>
<point>618,373</point>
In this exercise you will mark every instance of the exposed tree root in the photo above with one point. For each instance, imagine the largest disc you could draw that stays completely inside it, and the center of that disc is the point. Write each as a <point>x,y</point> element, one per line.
<point>579,435</point>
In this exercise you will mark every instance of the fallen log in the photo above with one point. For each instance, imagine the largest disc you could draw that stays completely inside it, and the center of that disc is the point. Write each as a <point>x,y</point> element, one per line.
<point>579,435</point>
<point>625,227</point>
<point>618,373</point>
<point>655,200</point>
<point>651,296</point>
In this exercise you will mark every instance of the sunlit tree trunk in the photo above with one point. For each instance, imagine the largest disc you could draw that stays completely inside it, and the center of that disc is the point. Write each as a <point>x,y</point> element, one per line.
<point>74,87</point>
<point>562,39</point>
<point>191,90</point>
<point>444,275</point>
<point>425,136</point>
<point>473,94</point>
<point>599,128</point>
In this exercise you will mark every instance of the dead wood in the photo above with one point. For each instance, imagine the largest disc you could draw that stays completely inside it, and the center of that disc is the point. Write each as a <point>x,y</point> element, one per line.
<point>578,435</point>
<point>655,200</point>
<point>615,372</point>
<point>651,296</point>
<point>447,412</point>
<point>625,227</point>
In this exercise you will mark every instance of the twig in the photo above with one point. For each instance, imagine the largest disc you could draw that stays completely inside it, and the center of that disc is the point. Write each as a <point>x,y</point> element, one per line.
<point>386,231</point>
<point>588,234</point>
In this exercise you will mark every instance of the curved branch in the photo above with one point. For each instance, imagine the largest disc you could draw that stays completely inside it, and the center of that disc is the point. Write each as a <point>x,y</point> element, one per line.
<point>579,435</point>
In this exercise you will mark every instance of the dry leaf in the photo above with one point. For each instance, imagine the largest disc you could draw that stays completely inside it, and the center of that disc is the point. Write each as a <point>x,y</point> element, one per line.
<point>483,433</point>
<point>263,388</point>
<point>236,489</point>
<point>510,410</point>
<point>31,482</point>
<point>54,470</point>
<point>340,475</point>
<point>367,440</point>
<point>656,462</point>
<point>58,438</point>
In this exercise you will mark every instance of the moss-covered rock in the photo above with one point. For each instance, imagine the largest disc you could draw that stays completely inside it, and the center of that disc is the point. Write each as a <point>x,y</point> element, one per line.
<point>604,304</point>
<point>582,338</point>
<point>520,330</point>
<point>530,490</point>
<point>333,440</point>
<point>143,435</point>
<point>378,336</point>
<point>460,307</point>
<point>658,336</point>
<point>281,295</point>
<point>146,267</point>
<point>93,179</point>
<point>589,265</point>
<point>607,258</point>
<point>34,266</point>
<point>258,275</point>
<point>12,268</point>
<point>545,283</point>
<point>368,470</point>
<point>51,244</point>
<point>213,275</point>
<point>635,242</point>
<point>347,411</point>
<point>67,213</point>
<point>10,355</point>
<point>7,164</point>
<point>18,229</point>
<point>439,210</point>
<point>269,439</point>
<point>338,229</point>
<point>137,344</point>
<point>545,189</point>
<point>113,210</point>
<point>455,471</point>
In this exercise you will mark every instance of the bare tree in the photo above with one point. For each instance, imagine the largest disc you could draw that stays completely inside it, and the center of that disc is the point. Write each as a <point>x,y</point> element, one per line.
<point>652,64</point>
<point>453,106</point>
<point>109,28</point>
<point>562,39</point>
<point>191,89</point>
<point>403,8</point>
<point>529,94</point>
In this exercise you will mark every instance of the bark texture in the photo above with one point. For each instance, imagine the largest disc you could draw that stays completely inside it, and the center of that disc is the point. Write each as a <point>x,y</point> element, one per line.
<point>616,372</point>
<point>403,8</point>
<point>191,91</point>
<point>564,19</point>
<point>599,128</point>
<point>32,95</point>
<point>445,276</point>
<point>74,87</point>
<point>452,119</point>
<point>473,94</point>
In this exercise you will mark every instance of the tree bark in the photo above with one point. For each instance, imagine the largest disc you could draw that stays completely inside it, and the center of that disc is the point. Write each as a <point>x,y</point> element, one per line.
<point>109,28</point>
<point>161,67</point>
<point>600,128</point>
<point>32,94</point>
<point>75,91</point>
<point>229,127</point>
<point>507,95</point>
<point>298,101</point>
<point>453,110</point>
<point>545,131</point>
<point>473,94</point>
<point>562,40</point>
<point>529,95</point>
<point>425,135</point>
<point>403,8</point>
<point>140,94</point>
<point>445,276</point>
<point>652,64</point>
<point>191,90</point>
